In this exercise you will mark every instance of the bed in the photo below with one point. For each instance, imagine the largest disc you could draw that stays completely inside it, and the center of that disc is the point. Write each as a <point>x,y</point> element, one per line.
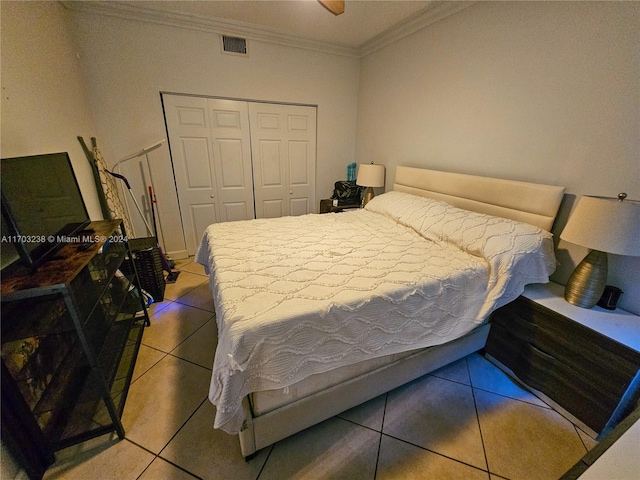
<point>320,313</point>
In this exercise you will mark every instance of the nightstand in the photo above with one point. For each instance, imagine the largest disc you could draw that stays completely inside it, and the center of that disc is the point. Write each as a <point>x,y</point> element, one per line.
<point>326,206</point>
<point>584,362</point>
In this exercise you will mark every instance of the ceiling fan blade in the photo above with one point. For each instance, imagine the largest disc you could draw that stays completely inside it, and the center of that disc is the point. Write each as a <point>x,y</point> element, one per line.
<point>334,6</point>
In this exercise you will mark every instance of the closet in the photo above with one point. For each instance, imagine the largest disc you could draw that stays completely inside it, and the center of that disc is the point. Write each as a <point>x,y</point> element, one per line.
<point>237,160</point>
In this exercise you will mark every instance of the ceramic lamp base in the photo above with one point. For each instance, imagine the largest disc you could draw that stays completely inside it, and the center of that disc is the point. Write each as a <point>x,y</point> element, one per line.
<point>368,195</point>
<point>586,284</point>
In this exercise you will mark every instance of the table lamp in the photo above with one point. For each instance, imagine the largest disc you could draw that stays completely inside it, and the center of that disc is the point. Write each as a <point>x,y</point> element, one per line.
<point>603,225</point>
<point>370,175</point>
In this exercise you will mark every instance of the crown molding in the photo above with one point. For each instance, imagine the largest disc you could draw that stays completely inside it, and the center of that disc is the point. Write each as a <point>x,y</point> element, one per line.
<point>196,22</point>
<point>433,13</point>
<point>436,11</point>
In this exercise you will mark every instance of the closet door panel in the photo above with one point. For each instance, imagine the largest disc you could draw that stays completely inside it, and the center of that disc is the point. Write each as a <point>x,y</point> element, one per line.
<point>190,143</point>
<point>270,164</point>
<point>269,179</point>
<point>299,206</point>
<point>301,123</point>
<point>237,211</point>
<point>200,216</point>
<point>233,180</point>
<point>299,163</point>
<point>285,174</point>
<point>230,137</point>
<point>197,169</point>
<point>272,208</point>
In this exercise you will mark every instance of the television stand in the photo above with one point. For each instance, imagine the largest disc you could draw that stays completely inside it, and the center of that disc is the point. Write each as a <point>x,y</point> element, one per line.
<point>70,337</point>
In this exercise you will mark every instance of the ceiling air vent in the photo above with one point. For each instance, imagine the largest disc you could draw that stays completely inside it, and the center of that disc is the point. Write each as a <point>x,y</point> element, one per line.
<point>234,45</point>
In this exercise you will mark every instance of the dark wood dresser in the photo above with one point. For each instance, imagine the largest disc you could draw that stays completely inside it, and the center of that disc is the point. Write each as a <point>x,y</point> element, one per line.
<point>584,361</point>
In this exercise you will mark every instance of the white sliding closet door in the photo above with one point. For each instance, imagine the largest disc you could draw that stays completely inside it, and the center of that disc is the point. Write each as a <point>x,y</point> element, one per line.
<point>237,160</point>
<point>283,145</point>
<point>211,154</point>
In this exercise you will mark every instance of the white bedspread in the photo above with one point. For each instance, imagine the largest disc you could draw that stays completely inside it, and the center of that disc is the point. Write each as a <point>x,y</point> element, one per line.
<point>296,296</point>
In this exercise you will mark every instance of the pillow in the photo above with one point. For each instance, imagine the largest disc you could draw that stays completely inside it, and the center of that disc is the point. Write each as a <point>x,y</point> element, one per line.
<point>517,253</point>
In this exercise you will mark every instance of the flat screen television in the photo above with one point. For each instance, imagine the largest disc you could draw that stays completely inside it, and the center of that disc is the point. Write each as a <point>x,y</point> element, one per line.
<point>41,206</point>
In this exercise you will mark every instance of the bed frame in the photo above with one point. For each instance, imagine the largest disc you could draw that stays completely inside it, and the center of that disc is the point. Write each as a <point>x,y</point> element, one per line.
<point>527,202</point>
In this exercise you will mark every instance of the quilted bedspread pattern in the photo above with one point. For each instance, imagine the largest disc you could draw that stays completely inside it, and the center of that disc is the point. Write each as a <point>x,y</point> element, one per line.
<point>296,296</point>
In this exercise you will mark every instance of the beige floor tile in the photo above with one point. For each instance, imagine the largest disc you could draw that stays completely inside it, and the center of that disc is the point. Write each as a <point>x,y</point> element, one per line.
<point>200,347</point>
<point>193,267</point>
<point>147,358</point>
<point>107,459</point>
<point>162,470</point>
<point>486,376</point>
<point>438,415</point>
<point>524,441</point>
<point>172,325</point>
<point>333,449</point>
<point>93,445</point>
<point>181,262</point>
<point>162,400</point>
<point>210,453</point>
<point>399,460</point>
<point>184,284</point>
<point>155,307</point>
<point>456,372</point>
<point>199,297</point>
<point>369,414</point>
<point>588,441</point>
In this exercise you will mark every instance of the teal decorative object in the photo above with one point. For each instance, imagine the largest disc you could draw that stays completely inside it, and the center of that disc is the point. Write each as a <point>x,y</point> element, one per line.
<point>351,172</point>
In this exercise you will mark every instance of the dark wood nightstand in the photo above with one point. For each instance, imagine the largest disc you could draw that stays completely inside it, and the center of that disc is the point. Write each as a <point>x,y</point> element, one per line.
<point>326,206</point>
<point>584,361</point>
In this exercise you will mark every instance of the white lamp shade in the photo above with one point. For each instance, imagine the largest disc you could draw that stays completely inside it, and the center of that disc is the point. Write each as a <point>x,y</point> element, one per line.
<point>605,224</point>
<point>370,175</point>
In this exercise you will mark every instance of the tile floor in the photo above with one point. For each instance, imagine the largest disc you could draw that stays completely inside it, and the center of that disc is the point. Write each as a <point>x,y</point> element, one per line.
<point>466,420</point>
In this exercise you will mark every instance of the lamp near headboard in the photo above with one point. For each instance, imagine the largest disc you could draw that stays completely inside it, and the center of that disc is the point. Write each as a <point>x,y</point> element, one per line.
<point>603,225</point>
<point>369,176</point>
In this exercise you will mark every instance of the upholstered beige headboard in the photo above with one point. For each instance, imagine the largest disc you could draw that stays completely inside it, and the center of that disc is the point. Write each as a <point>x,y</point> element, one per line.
<point>532,203</point>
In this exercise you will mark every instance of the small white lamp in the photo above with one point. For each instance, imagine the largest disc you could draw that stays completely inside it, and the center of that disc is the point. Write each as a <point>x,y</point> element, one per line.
<point>370,175</point>
<point>603,225</point>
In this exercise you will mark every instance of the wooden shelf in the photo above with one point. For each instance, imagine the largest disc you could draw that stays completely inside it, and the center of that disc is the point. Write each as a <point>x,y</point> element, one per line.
<point>54,275</point>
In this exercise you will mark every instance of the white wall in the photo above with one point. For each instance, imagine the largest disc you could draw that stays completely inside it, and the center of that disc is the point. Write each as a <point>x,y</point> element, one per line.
<point>44,103</point>
<point>545,92</point>
<point>44,100</point>
<point>128,63</point>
